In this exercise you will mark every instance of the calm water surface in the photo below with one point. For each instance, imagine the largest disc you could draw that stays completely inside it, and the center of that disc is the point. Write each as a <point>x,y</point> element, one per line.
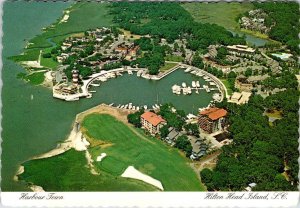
<point>32,127</point>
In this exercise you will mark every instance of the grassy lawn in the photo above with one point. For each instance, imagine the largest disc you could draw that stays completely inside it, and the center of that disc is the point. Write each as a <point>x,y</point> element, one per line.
<point>227,85</point>
<point>48,62</point>
<point>174,58</point>
<point>274,114</point>
<point>35,78</point>
<point>129,35</point>
<point>167,66</point>
<point>68,171</point>
<point>29,55</point>
<point>220,13</point>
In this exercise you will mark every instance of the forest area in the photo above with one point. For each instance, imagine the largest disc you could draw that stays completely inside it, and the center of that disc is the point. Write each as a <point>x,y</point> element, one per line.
<point>171,22</point>
<point>261,153</point>
<point>286,18</point>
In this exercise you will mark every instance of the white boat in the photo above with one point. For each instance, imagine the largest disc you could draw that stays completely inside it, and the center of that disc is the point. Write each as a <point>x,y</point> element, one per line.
<point>111,104</point>
<point>197,84</point>
<point>93,91</point>
<point>188,69</point>
<point>126,106</point>
<point>183,84</point>
<point>72,99</point>
<point>118,106</point>
<point>95,85</point>
<point>89,96</point>
<point>133,107</point>
<point>31,97</point>
<point>137,108</point>
<point>122,106</point>
<point>145,107</point>
<point>153,107</point>
<point>129,72</point>
<point>193,84</point>
<point>157,106</point>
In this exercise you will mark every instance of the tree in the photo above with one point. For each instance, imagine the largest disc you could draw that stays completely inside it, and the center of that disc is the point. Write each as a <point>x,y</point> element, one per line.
<point>192,129</point>
<point>184,144</point>
<point>248,72</point>
<point>47,55</point>
<point>197,61</point>
<point>164,131</point>
<point>135,118</point>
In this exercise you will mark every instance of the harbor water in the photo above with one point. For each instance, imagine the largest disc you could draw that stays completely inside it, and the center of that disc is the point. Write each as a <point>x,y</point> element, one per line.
<point>33,122</point>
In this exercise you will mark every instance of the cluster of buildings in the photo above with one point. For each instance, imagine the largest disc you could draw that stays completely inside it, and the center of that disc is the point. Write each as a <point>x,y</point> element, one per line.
<point>210,120</point>
<point>255,21</point>
<point>108,48</point>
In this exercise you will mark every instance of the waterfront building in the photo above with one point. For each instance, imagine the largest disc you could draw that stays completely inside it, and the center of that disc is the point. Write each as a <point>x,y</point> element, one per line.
<point>240,49</point>
<point>212,119</point>
<point>242,83</point>
<point>152,122</point>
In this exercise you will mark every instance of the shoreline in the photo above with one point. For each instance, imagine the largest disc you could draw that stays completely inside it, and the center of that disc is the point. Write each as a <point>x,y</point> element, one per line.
<point>75,140</point>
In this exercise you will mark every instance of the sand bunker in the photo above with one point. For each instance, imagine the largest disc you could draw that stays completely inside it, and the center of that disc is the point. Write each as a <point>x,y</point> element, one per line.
<point>101,157</point>
<point>131,172</point>
<point>36,188</point>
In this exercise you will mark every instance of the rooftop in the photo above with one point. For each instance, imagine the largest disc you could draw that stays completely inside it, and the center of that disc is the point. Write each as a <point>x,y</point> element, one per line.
<point>152,118</point>
<point>214,113</point>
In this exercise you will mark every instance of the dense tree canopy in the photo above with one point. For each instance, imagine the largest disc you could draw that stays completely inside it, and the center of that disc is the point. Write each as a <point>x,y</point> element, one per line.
<point>260,152</point>
<point>286,18</point>
<point>170,21</point>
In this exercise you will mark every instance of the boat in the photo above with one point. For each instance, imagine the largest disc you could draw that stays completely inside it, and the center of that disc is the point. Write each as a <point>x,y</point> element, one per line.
<point>157,106</point>
<point>89,96</point>
<point>145,107</point>
<point>137,108</point>
<point>183,84</point>
<point>93,91</point>
<point>111,104</point>
<point>130,72</point>
<point>197,84</point>
<point>188,69</point>
<point>31,97</point>
<point>72,99</point>
<point>126,106</point>
<point>122,106</point>
<point>193,84</point>
<point>118,106</point>
<point>95,85</point>
<point>133,107</point>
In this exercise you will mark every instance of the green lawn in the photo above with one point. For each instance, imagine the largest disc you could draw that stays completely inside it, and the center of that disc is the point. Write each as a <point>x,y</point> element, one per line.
<point>227,85</point>
<point>29,55</point>
<point>48,62</point>
<point>35,78</point>
<point>220,13</point>
<point>149,155</point>
<point>69,172</point>
<point>167,66</point>
<point>174,58</point>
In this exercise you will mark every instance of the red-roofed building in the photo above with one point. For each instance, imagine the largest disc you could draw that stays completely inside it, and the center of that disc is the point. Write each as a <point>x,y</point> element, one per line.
<point>152,122</point>
<point>212,119</point>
